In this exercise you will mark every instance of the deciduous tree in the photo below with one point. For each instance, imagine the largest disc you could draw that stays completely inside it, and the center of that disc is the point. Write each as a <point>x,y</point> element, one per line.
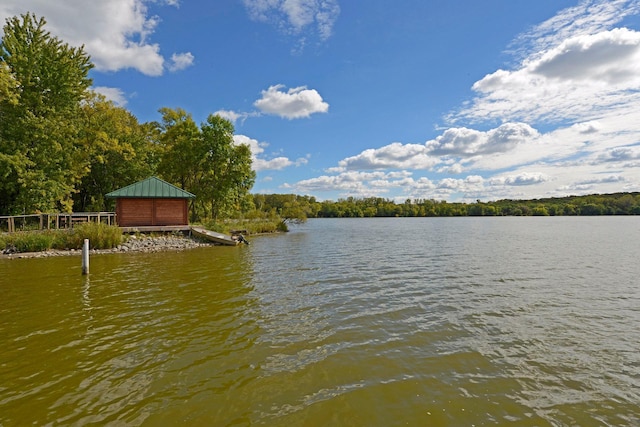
<point>39,156</point>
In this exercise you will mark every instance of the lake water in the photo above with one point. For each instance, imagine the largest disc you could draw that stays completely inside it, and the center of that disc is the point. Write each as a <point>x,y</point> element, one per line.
<point>350,322</point>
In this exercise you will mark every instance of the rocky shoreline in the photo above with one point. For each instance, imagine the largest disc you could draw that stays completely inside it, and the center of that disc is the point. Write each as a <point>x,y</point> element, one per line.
<point>135,243</point>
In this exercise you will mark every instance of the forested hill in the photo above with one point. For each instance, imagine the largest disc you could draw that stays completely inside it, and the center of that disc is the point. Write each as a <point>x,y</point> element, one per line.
<point>293,206</point>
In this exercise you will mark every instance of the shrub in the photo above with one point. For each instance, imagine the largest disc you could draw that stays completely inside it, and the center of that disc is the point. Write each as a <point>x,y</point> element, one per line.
<point>33,242</point>
<point>101,236</point>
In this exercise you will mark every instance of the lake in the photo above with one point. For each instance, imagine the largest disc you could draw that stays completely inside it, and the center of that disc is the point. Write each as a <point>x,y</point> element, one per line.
<point>523,321</point>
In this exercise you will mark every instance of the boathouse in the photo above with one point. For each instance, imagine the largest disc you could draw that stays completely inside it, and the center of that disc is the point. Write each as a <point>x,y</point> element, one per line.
<point>151,202</point>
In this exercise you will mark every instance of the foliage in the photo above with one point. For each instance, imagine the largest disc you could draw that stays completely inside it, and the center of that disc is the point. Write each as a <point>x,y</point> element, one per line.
<point>206,162</point>
<point>28,241</point>
<point>39,155</point>
<point>101,236</point>
<point>117,151</point>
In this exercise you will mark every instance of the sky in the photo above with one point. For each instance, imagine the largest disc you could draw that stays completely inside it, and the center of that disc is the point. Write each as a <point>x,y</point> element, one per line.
<point>456,100</point>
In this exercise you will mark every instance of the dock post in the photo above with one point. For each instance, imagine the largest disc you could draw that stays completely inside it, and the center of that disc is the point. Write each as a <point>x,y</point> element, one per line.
<point>85,257</point>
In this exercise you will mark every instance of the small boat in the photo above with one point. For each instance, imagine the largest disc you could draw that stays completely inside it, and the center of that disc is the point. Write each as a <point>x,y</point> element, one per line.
<point>219,238</point>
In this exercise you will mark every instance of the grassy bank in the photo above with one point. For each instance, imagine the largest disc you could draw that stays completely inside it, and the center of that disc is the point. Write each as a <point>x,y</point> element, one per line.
<point>101,236</point>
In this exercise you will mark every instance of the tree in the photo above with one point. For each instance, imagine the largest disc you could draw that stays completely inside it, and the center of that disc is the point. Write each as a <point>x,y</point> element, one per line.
<point>118,151</point>
<point>206,162</point>
<point>181,149</point>
<point>39,134</point>
<point>226,170</point>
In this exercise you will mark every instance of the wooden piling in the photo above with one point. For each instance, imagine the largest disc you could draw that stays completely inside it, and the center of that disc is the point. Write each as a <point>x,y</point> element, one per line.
<point>85,257</point>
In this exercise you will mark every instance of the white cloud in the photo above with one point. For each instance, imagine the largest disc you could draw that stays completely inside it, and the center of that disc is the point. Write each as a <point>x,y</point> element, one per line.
<point>524,178</point>
<point>356,183</point>
<point>454,146</point>
<point>234,116</point>
<point>610,57</point>
<point>463,142</point>
<point>276,163</point>
<point>180,61</point>
<point>588,127</point>
<point>296,17</point>
<point>259,163</point>
<point>295,103</point>
<point>619,154</point>
<point>392,156</point>
<point>112,94</point>
<point>114,32</point>
<point>230,115</point>
<point>588,17</point>
<point>579,79</point>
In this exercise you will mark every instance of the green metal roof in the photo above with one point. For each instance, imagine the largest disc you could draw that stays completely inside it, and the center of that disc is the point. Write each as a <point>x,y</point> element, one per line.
<point>151,187</point>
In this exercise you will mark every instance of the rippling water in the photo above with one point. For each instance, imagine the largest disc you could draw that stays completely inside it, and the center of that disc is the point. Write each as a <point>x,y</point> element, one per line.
<point>462,321</point>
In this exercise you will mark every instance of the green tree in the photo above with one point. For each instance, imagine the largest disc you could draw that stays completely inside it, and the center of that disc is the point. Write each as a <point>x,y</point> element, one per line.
<point>118,151</point>
<point>39,156</point>
<point>8,85</point>
<point>206,162</point>
<point>225,169</point>
<point>181,149</point>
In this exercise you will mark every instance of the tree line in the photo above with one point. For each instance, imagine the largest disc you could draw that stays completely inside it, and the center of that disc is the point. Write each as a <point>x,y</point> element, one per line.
<point>64,146</point>
<point>296,207</point>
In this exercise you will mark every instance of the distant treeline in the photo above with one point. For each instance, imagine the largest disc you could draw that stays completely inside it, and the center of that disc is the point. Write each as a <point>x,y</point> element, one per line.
<point>301,207</point>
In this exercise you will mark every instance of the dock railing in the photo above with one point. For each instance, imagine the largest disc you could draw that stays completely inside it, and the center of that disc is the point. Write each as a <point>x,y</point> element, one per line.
<point>47,221</point>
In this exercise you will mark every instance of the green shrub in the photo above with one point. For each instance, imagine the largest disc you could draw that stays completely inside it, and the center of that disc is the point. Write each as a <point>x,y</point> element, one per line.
<point>33,242</point>
<point>101,236</point>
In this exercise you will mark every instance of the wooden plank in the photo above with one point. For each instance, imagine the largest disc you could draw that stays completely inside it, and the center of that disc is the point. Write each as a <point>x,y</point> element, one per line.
<point>134,212</point>
<point>169,212</point>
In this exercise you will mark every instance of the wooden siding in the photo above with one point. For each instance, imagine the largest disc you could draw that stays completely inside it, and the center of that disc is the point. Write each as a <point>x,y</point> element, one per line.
<point>133,212</point>
<point>170,212</point>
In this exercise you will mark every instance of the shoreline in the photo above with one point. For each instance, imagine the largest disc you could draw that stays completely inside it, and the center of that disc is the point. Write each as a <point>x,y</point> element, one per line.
<point>136,244</point>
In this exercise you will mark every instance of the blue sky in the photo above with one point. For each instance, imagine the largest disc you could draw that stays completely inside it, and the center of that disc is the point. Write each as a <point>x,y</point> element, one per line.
<point>451,100</point>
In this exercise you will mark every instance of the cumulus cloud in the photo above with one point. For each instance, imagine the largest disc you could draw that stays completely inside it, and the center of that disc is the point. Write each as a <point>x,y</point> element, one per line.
<point>114,32</point>
<point>579,78</point>
<point>619,154</point>
<point>588,127</point>
<point>588,17</point>
<point>234,116</point>
<point>463,142</point>
<point>359,183</point>
<point>606,57</point>
<point>113,94</point>
<point>180,61</point>
<point>297,17</point>
<point>520,179</point>
<point>298,102</point>
<point>448,149</point>
<point>392,156</point>
<point>260,163</point>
